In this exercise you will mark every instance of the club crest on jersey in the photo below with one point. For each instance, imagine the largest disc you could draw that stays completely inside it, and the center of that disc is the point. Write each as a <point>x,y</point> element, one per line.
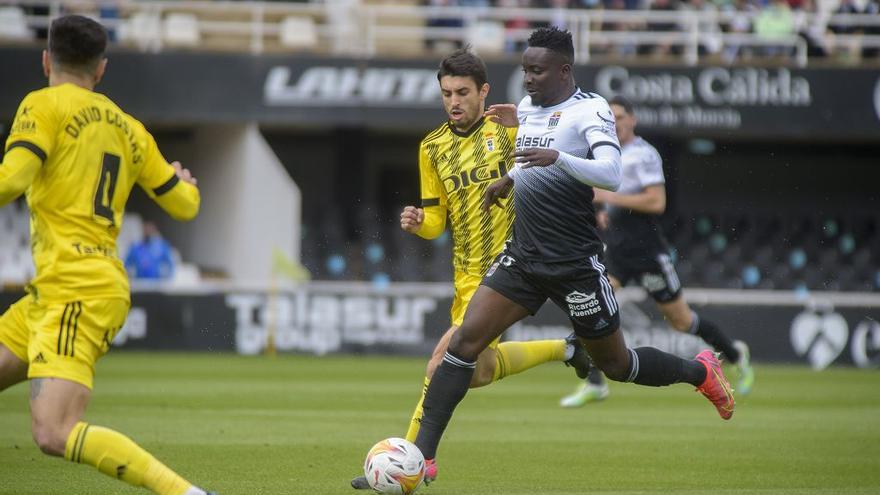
<point>554,120</point>
<point>490,142</point>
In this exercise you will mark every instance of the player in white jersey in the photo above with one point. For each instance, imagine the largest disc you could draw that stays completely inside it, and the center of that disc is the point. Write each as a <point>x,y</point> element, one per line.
<point>566,145</point>
<point>637,250</point>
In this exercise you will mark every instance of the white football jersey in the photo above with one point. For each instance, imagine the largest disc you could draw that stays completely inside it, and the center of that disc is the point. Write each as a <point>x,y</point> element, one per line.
<point>641,166</point>
<point>631,233</point>
<point>555,219</point>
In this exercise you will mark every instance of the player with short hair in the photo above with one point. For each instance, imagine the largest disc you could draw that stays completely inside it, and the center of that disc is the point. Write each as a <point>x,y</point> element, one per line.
<point>457,162</point>
<point>566,145</point>
<point>77,156</point>
<point>636,249</point>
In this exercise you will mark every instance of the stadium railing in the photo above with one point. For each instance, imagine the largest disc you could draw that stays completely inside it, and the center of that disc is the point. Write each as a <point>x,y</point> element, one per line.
<point>393,30</point>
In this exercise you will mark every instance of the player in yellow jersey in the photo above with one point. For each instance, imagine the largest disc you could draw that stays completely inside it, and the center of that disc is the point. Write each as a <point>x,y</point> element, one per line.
<point>77,156</point>
<point>457,162</point>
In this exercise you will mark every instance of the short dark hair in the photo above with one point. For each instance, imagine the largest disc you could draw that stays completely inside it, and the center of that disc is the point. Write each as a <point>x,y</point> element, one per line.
<point>464,63</point>
<point>554,39</point>
<point>77,42</point>
<point>623,102</point>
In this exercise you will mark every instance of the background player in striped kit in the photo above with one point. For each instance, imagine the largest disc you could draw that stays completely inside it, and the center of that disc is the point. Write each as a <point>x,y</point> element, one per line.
<point>636,249</point>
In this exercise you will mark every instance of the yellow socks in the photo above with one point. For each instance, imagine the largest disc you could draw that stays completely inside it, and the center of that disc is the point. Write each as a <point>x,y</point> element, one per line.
<point>119,457</point>
<point>416,422</point>
<point>516,357</point>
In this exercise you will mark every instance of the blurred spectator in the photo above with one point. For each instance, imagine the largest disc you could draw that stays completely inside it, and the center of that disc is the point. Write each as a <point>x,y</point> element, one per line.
<point>663,47</point>
<point>515,25</point>
<point>560,13</point>
<point>872,8</point>
<point>845,7</point>
<point>775,22</point>
<point>443,22</point>
<point>109,11</point>
<point>846,48</point>
<point>620,49</point>
<point>740,23</point>
<point>709,30</point>
<point>811,27</point>
<point>150,258</point>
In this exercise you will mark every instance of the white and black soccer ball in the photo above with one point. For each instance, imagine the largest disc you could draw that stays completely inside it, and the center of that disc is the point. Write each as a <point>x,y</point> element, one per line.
<point>395,466</point>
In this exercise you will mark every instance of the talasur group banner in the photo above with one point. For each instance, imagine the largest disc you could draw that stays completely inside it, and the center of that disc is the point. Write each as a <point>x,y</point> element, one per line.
<point>190,88</point>
<point>825,329</point>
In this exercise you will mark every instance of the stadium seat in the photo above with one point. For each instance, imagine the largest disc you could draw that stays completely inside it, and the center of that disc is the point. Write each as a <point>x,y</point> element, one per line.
<point>487,37</point>
<point>13,24</point>
<point>186,274</point>
<point>182,30</point>
<point>298,32</point>
<point>714,275</point>
<point>144,29</point>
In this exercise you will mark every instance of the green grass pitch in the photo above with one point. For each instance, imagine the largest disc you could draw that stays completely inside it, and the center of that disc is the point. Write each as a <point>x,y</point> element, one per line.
<point>301,425</point>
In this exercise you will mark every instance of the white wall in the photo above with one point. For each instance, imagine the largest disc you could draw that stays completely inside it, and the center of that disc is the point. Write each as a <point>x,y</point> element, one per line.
<point>250,205</point>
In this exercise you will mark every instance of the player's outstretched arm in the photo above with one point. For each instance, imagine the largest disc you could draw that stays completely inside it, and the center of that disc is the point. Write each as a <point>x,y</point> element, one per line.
<point>602,171</point>
<point>19,167</point>
<point>651,200</point>
<point>179,196</point>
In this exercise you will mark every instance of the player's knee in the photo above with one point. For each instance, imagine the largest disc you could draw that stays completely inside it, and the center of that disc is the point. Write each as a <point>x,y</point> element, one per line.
<point>483,375</point>
<point>680,325</point>
<point>49,438</point>
<point>680,322</point>
<point>616,369</point>
<point>433,363</point>
<point>463,346</point>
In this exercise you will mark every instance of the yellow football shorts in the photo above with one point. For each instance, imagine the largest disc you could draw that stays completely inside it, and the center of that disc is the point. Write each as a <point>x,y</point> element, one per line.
<point>465,287</point>
<point>60,340</point>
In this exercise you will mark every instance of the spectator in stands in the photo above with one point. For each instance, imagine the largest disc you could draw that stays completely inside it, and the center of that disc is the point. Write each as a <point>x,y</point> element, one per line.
<point>710,42</point>
<point>560,13</point>
<point>514,24</point>
<point>872,8</point>
<point>847,47</point>
<point>775,22</point>
<point>845,7</point>
<point>443,22</point>
<point>607,25</point>
<point>740,23</point>
<point>811,27</point>
<point>150,258</point>
<point>109,11</point>
<point>662,48</point>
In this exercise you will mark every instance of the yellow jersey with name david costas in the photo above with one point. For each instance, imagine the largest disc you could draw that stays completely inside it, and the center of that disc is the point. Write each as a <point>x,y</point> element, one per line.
<point>91,154</point>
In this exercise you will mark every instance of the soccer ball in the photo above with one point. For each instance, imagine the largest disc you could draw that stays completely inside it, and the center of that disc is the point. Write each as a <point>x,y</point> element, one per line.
<point>394,466</point>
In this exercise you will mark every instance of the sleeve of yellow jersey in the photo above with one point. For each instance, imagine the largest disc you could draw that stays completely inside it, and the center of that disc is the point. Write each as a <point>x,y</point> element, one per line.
<point>433,198</point>
<point>511,133</point>
<point>159,180</point>
<point>31,141</point>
